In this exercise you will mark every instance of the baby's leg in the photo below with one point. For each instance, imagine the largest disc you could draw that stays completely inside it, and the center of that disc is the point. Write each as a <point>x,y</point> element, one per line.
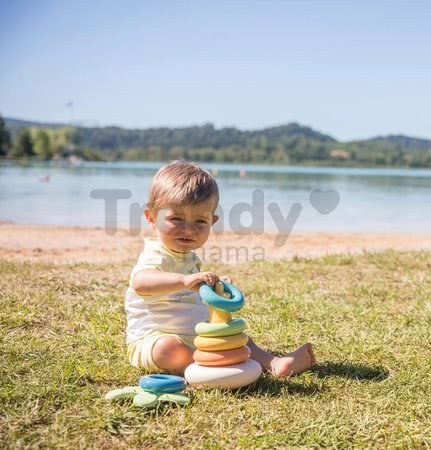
<point>293,363</point>
<point>172,354</point>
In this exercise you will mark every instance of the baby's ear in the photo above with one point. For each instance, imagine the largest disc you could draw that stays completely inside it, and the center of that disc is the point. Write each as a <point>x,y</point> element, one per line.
<point>215,219</point>
<point>151,219</point>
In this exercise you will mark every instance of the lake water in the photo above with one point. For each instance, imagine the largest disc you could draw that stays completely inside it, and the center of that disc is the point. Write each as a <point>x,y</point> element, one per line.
<point>313,198</point>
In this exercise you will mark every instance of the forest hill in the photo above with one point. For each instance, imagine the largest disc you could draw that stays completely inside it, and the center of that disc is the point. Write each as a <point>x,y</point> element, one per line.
<point>286,144</point>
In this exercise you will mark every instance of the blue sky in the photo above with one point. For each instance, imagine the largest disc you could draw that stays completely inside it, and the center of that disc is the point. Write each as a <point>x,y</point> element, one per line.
<point>349,69</point>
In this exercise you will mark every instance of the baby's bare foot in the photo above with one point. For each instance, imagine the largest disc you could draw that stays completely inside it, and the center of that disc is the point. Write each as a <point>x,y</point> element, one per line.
<point>295,362</point>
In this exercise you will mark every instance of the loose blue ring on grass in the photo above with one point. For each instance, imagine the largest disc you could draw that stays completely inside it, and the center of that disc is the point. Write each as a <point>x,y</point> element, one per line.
<point>211,298</point>
<point>160,383</point>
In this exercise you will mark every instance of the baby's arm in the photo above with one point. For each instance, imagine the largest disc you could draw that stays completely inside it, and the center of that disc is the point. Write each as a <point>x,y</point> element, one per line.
<point>155,282</point>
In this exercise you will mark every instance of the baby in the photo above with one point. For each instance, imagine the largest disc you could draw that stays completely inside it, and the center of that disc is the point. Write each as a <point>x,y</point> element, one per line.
<point>162,303</point>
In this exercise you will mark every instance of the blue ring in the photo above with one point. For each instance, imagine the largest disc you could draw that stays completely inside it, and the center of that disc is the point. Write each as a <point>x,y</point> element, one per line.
<point>161,383</point>
<point>214,300</point>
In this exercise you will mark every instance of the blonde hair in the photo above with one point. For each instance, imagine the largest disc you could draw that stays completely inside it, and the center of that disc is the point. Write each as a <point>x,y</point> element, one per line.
<point>181,183</point>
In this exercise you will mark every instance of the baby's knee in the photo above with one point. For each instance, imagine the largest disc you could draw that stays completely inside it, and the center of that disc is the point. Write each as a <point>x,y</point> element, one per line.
<point>172,354</point>
<point>169,346</point>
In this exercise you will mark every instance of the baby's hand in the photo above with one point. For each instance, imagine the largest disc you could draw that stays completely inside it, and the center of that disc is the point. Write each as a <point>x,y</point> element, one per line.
<point>193,281</point>
<point>226,278</point>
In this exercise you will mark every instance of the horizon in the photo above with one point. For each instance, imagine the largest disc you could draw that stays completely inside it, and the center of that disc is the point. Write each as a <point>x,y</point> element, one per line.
<point>79,125</point>
<point>353,71</point>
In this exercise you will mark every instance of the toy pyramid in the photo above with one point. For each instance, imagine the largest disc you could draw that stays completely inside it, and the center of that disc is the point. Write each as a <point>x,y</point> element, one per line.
<point>222,356</point>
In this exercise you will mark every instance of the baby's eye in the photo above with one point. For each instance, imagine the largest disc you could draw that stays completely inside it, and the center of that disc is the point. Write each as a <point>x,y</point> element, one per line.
<point>175,219</point>
<point>201,221</point>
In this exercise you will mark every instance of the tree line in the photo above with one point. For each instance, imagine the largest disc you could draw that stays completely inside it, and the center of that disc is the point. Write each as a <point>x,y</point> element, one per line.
<point>287,144</point>
<point>43,144</point>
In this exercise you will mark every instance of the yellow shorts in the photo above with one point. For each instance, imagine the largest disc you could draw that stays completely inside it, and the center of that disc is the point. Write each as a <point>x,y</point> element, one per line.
<point>140,352</point>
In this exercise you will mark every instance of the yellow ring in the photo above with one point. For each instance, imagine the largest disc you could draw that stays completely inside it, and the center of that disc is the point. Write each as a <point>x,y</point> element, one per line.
<point>214,344</point>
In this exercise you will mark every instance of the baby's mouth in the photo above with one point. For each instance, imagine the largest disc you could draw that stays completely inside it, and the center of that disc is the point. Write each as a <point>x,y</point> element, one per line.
<point>186,240</point>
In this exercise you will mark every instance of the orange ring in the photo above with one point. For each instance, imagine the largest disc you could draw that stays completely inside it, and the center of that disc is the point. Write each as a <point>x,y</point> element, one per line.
<point>222,357</point>
<point>215,344</point>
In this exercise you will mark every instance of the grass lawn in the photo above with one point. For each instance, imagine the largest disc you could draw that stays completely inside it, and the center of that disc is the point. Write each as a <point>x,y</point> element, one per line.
<point>369,316</point>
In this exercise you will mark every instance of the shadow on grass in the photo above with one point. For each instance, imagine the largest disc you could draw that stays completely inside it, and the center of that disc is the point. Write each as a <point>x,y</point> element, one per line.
<point>267,385</point>
<point>350,370</point>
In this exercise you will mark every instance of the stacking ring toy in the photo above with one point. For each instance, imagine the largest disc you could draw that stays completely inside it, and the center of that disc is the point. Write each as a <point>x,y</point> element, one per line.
<point>234,376</point>
<point>127,392</point>
<point>220,343</point>
<point>211,298</point>
<point>162,383</point>
<point>222,358</point>
<point>145,399</point>
<point>207,329</point>
<point>153,390</point>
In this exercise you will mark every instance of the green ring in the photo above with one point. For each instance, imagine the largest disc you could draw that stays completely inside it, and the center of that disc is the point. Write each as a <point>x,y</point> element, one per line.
<point>179,399</point>
<point>146,400</point>
<point>206,329</point>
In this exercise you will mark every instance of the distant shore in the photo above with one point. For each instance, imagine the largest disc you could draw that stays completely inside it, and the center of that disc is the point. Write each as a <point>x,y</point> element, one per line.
<point>60,244</point>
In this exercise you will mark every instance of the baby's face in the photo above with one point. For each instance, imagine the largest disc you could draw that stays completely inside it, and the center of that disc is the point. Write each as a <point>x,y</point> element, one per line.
<point>185,228</point>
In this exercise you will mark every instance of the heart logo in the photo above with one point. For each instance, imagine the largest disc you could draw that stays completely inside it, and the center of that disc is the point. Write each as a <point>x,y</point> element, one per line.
<point>324,201</point>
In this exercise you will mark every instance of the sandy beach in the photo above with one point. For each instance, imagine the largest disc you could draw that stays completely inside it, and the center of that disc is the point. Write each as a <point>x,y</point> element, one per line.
<point>60,244</point>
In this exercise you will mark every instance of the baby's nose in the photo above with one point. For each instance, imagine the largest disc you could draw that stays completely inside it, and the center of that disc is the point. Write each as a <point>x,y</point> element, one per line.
<point>188,226</point>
